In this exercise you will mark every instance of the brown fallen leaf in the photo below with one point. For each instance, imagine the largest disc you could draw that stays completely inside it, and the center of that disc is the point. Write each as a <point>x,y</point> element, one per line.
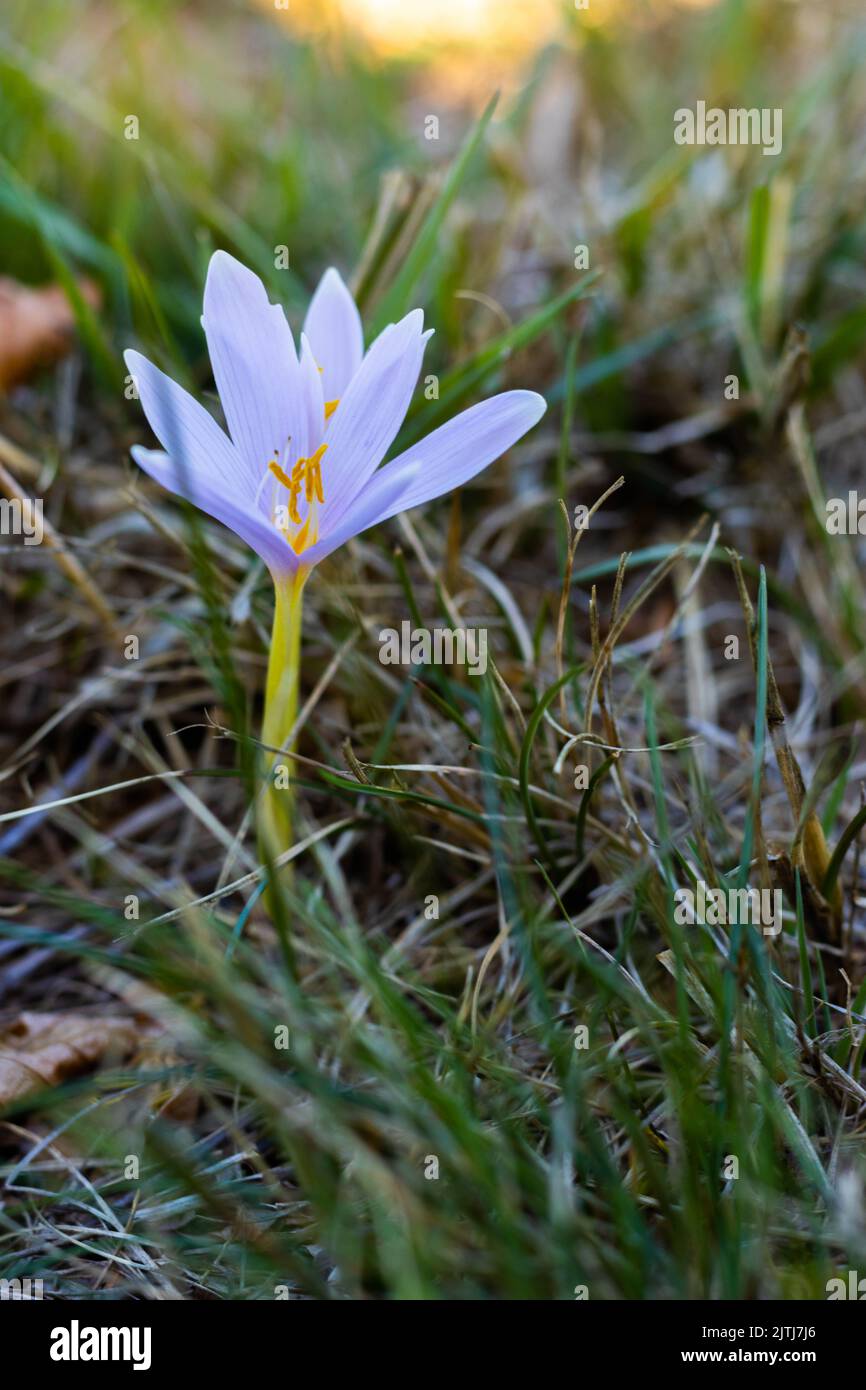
<point>39,1050</point>
<point>36,326</point>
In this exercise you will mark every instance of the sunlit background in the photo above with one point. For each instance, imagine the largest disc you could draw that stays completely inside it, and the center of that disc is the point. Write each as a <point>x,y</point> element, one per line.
<point>459,38</point>
<point>507,26</point>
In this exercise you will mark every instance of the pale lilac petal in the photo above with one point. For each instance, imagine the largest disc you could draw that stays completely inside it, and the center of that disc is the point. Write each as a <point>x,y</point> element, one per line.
<point>377,501</point>
<point>313,401</point>
<point>185,430</point>
<point>254,361</point>
<point>454,453</point>
<point>374,407</point>
<point>207,494</point>
<point>333,326</point>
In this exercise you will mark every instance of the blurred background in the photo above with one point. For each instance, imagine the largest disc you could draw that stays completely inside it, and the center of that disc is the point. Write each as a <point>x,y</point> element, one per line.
<point>256,126</point>
<point>136,137</point>
<point>260,126</point>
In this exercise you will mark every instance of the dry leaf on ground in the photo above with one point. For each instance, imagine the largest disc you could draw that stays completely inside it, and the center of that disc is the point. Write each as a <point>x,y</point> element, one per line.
<point>39,1050</point>
<point>36,326</point>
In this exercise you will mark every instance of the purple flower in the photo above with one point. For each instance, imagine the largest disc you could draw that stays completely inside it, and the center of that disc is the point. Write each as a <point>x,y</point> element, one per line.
<point>298,472</point>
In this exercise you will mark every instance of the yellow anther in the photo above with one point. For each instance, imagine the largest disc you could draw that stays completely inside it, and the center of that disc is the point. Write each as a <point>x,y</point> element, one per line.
<point>330,407</point>
<point>279,474</point>
<point>313,475</point>
<point>295,483</point>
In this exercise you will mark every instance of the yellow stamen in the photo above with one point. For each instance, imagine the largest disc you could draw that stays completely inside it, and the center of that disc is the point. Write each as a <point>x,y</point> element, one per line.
<point>313,475</point>
<point>295,482</point>
<point>279,474</point>
<point>306,473</point>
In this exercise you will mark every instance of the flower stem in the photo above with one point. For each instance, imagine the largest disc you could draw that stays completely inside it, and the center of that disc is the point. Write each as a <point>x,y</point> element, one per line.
<point>281,711</point>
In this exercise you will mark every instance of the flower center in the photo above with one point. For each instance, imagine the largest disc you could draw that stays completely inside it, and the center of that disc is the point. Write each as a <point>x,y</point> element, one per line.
<point>306,474</point>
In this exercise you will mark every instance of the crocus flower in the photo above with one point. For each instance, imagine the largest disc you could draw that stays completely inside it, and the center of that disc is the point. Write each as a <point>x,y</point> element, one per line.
<point>299,470</point>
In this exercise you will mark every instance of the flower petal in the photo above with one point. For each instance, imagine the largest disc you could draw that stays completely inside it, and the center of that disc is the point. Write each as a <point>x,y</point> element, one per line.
<point>454,453</point>
<point>201,490</point>
<point>313,401</point>
<point>185,430</point>
<point>364,427</point>
<point>333,326</point>
<point>377,501</point>
<point>254,361</point>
